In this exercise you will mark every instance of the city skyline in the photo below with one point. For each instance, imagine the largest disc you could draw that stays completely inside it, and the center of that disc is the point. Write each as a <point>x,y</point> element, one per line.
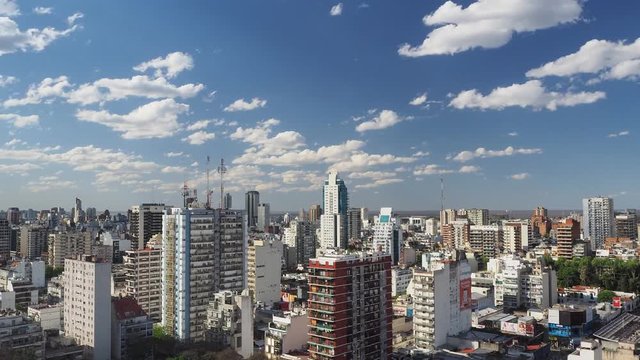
<point>520,114</point>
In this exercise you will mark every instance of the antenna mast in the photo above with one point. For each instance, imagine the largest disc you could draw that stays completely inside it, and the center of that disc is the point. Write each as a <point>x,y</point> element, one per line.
<point>222,170</point>
<point>208,187</point>
<point>441,194</point>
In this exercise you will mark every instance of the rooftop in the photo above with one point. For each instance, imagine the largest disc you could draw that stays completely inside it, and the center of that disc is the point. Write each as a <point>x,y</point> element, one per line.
<point>625,328</point>
<point>127,308</point>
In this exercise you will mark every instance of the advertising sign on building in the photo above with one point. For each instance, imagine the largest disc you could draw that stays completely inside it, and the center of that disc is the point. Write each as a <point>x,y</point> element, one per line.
<point>465,294</point>
<point>617,302</point>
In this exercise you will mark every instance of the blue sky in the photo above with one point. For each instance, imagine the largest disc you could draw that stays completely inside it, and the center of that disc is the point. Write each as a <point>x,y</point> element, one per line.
<point>514,103</point>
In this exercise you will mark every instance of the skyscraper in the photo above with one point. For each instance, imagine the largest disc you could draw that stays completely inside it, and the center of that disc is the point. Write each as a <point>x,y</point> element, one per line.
<point>13,216</point>
<point>78,215</point>
<point>349,308</point>
<point>251,201</point>
<point>264,270</point>
<point>354,223</point>
<point>33,241</point>
<point>203,253</point>
<point>627,224</point>
<point>567,233</point>
<point>264,216</point>
<point>333,223</point>
<point>598,220</point>
<point>387,235</point>
<point>315,211</point>
<point>145,221</point>
<point>227,202</point>
<point>5,240</point>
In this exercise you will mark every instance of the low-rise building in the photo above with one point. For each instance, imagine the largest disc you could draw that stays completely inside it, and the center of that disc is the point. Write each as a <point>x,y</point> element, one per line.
<point>230,322</point>
<point>129,325</point>
<point>49,316</point>
<point>20,335</point>
<point>285,334</point>
<point>400,279</point>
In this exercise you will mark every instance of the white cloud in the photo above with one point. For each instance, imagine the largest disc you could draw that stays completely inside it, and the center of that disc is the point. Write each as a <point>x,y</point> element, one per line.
<point>419,100</point>
<point>520,176</point>
<point>12,39</point>
<point>18,169</point>
<point>620,133</point>
<point>173,169</point>
<point>107,89</point>
<point>174,154</point>
<point>385,119</point>
<point>198,125</point>
<point>71,20</point>
<point>47,89</point>
<point>20,121</point>
<point>513,133</point>
<point>336,10</point>
<point>482,153</point>
<point>199,137</point>
<point>13,142</point>
<point>530,94</point>
<point>378,183</point>
<point>49,183</point>
<point>489,24</point>
<point>433,169</point>
<point>421,154</point>
<point>371,175</point>
<point>9,8</point>
<point>242,105</point>
<point>168,66</point>
<point>158,119</point>
<point>610,60</point>
<point>7,80</point>
<point>41,10</point>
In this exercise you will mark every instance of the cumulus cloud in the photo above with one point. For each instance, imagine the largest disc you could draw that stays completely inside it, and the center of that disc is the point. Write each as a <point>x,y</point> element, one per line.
<point>520,176</point>
<point>18,169</point>
<point>489,24</point>
<point>513,133</point>
<point>610,60</point>
<point>12,39</point>
<point>41,10</point>
<point>198,125</point>
<point>336,10</point>
<point>173,169</point>
<point>378,183</point>
<point>482,153</point>
<point>371,175</point>
<point>174,154</point>
<point>199,137</point>
<point>9,8</point>
<point>169,66</point>
<point>419,100</point>
<point>421,154</point>
<point>71,20</point>
<point>434,169</point>
<point>45,90</point>
<point>242,105</point>
<point>385,119</point>
<point>107,89</point>
<point>49,183</point>
<point>158,119</point>
<point>20,121</point>
<point>530,94</point>
<point>7,80</point>
<point>618,134</point>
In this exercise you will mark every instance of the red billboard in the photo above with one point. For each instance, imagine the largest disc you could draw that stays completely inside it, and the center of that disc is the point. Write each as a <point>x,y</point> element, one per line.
<point>465,294</point>
<point>617,302</point>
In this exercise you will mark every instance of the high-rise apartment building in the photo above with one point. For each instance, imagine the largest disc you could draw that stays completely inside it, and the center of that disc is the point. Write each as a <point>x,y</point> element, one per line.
<point>87,304</point>
<point>349,307</point>
<point>143,277</point>
<point>5,240</point>
<point>301,235</point>
<point>627,224</point>
<point>516,236</point>
<point>333,223</point>
<point>519,283</point>
<point>78,213</point>
<point>145,220</point>
<point>442,301</point>
<point>354,223</point>
<point>227,202</point>
<point>33,241</point>
<point>486,239</point>
<point>598,220</point>
<point>264,216</point>
<point>446,217</point>
<point>387,235</point>
<point>251,201</point>
<point>477,216</point>
<point>315,211</point>
<point>14,216</point>
<point>264,270</point>
<point>455,234</point>
<point>203,253</point>
<point>68,244</point>
<point>567,233</point>
<point>540,223</point>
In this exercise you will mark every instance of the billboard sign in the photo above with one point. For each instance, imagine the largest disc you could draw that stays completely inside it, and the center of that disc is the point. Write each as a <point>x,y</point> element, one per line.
<point>465,294</point>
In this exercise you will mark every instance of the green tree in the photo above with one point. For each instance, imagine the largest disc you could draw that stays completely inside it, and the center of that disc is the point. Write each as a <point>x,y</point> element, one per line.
<point>50,272</point>
<point>606,296</point>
